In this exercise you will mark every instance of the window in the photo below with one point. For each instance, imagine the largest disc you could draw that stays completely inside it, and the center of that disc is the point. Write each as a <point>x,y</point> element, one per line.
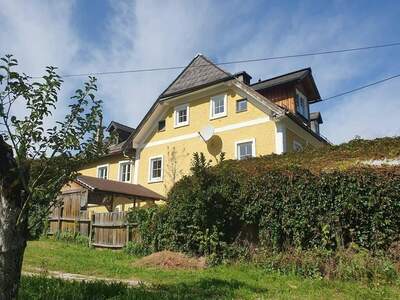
<point>156,169</point>
<point>125,171</point>
<point>241,105</point>
<point>161,125</point>
<point>218,107</point>
<point>302,105</point>
<point>245,149</point>
<point>297,147</point>
<point>315,126</point>
<point>102,172</point>
<point>181,115</point>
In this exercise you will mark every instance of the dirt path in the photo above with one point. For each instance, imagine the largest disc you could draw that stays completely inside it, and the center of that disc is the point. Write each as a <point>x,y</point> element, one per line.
<point>79,277</point>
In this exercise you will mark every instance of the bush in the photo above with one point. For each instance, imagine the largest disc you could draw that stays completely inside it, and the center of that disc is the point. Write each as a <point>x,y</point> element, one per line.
<point>286,208</point>
<point>226,211</point>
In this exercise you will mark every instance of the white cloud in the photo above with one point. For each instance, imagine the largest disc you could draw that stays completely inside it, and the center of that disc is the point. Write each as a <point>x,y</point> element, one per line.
<point>145,34</point>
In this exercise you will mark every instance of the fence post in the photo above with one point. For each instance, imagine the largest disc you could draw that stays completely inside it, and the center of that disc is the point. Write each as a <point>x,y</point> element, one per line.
<point>91,228</point>
<point>59,220</point>
<point>127,234</point>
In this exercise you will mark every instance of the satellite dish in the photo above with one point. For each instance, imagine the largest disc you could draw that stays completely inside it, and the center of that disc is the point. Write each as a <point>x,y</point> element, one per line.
<point>206,133</point>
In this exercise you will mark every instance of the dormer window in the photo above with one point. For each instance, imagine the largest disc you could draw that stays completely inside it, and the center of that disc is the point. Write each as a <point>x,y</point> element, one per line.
<point>302,105</point>
<point>218,107</point>
<point>181,115</point>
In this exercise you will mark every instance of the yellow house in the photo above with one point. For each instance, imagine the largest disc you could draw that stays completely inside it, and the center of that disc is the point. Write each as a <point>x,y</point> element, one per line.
<point>206,109</point>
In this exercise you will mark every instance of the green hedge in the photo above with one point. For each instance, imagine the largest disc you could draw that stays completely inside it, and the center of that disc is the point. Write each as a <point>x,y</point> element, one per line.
<point>248,202</point>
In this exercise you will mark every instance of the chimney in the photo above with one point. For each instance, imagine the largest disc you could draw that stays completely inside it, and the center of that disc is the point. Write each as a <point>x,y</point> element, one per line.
<point>243,77</point>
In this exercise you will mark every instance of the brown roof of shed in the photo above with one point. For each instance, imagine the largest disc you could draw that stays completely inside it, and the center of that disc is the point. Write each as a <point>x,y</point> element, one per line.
<point>117,187</point>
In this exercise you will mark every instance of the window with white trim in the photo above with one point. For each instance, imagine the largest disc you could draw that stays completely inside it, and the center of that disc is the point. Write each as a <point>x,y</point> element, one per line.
<point>181,115</point>
<point>125,171</point>
<point>218,107</point>
<point>156,169</point>
<point>245,149</point>
<point>102,172</point>
<point>301,105</point>
<point>297,147</point>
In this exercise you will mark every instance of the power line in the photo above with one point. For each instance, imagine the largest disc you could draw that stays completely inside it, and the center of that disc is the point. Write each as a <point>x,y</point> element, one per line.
<point>361,87</point>
<point>235,61</point>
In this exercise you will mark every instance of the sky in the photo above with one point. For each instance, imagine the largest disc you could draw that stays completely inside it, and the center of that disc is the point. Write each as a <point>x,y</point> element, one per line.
<point>94,36</point>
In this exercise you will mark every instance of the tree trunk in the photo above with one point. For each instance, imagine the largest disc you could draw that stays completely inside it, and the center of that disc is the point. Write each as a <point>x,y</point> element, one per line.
<point>12,247</point>
<point>13,236</point>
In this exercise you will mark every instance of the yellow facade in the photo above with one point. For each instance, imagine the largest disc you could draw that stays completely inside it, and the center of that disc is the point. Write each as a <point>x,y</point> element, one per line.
<point>176,145</point>
<point>112,162</point>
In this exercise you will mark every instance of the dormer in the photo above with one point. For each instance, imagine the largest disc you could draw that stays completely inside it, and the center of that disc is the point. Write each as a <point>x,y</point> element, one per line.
<point>293,91</point>
<point>315,120</point>
<point>119,132</point>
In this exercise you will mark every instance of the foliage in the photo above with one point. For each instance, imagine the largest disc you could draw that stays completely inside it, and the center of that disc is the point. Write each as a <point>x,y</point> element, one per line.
<point>137,249</point>
<point>46,156</point>
<point>72,237</point>
<point>351,263</point>
<point>38,155</point>
<point>287,207</point>
<point>152,228</point>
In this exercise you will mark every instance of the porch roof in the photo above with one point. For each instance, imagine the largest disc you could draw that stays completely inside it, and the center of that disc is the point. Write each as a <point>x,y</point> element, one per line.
<point>117,187</point>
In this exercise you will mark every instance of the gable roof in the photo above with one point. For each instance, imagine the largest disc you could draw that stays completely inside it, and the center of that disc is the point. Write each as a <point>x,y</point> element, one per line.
<point>198,73</point>
<point>119,126</point>
<point>202,73</point>
<point>287,78</point>
<point>111,186</point>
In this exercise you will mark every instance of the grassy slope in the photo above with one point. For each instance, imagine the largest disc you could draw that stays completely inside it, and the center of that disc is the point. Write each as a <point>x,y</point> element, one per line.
<point>224,282</point>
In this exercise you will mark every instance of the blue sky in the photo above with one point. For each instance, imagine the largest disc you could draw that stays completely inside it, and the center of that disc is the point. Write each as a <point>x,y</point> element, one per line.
<point>92,36</point>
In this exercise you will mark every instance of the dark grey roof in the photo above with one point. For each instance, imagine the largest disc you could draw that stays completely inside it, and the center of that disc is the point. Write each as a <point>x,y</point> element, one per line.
<point>199,72</point>
<point>316,116</point>
<point>120,126</point>
<point>285,78</point>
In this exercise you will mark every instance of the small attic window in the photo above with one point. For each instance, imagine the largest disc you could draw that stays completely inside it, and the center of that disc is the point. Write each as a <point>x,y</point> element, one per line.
<point>302,105</point>
<point>161,125</point>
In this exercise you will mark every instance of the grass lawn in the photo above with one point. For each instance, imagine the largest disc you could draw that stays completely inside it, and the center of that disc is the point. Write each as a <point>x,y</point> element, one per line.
<point>223,282</point>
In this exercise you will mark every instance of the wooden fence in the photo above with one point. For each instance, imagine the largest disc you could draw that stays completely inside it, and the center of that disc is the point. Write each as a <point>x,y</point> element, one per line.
<point>109,230</point>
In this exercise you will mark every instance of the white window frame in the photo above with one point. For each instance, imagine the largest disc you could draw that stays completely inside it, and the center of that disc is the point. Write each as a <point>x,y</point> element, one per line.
<point>305,103</point>
<point>176,117</point>
<point>125,162</point>
<point>253,149</point>
<point>212,106</point>
<point>297,146</point>
<point>107,166</point>
<point>156,179</point>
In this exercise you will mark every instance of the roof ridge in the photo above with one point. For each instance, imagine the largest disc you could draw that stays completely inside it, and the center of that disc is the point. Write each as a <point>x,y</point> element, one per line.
<point>282,75</point>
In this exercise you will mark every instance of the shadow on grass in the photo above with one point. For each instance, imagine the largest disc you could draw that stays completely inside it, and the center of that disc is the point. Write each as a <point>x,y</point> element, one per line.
<point>45,288</point>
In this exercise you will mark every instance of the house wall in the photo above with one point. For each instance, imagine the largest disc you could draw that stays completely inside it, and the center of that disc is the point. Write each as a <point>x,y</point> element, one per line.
<point>282,96</point>
<point>177,154</point>
<point>113,166</point>
<point>295,133</point>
